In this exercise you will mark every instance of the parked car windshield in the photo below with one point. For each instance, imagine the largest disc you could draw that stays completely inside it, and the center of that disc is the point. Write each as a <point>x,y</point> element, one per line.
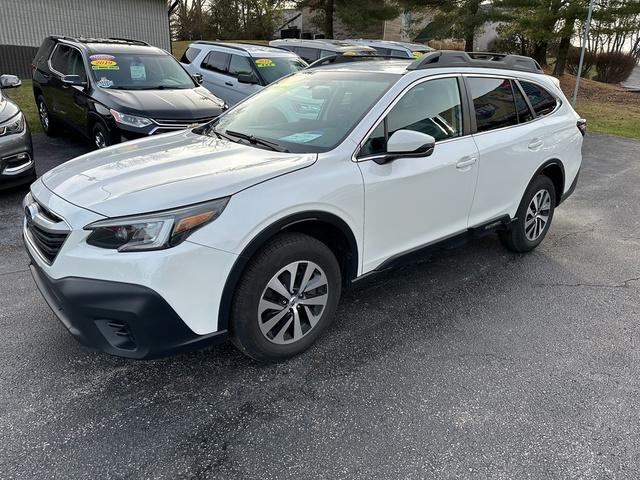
<point>138,72</point>
<point>312,111</point>
<point>274,68</point>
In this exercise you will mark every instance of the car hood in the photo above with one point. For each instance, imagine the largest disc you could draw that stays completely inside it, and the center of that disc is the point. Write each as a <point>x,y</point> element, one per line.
<point>185,104</point>
<point>166,171</point>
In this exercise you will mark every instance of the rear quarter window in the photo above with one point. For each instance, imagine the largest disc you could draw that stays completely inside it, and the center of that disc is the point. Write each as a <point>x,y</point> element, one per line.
<point>493,102</point>
<point>190,55</point>
<point>541,100</point>
<point>44,51</point>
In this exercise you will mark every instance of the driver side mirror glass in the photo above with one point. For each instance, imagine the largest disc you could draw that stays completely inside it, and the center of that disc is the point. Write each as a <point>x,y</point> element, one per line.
<point>9,81</point>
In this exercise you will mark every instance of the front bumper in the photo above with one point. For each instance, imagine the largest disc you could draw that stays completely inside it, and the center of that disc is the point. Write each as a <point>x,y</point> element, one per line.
<point>161,292</point>
<point>16,159</point>
<point>118,318</point>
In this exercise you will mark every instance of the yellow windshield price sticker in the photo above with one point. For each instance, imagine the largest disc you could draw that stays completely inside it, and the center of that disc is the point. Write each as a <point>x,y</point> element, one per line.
<point>103,62</point>
<point>264,62</point>
<point>417,54</point>
<point>349,53</point>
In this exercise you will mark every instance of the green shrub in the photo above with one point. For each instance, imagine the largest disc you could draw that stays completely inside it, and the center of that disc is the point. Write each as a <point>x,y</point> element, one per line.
<point>614,67</point>
<point>573,60</point>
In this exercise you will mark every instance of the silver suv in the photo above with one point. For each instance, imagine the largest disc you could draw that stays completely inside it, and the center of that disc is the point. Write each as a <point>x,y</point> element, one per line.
<point>233,71</point>
<point>395,49</point>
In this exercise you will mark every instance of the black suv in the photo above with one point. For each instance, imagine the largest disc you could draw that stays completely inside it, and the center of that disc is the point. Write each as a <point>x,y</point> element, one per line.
<point>110,89</point>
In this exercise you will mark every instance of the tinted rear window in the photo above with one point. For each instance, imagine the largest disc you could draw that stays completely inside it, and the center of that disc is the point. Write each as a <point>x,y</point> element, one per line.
<point>216,62</point>
<point>493,103</point>
<point>542,101</point>
<point>190,55</point>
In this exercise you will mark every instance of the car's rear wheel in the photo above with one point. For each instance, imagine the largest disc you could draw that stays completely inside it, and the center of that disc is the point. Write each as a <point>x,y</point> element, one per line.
<point>286,298</point>
<point>49,125</point>
<point>101,137</point>
<point>533,218</point>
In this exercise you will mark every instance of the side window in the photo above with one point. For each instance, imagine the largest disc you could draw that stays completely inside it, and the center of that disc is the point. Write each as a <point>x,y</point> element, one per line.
<point>326,53</point>
<point>383,51</point>
<point>190,55</point>
<point>60,59</point>
<point>239,65</point>
<point>76,66</point>
<point>493,103</point>
<point>524,112</point>
<point>309,54</point>
<point>216,62</point>
<point>542,101</point>
<point>432,107</point>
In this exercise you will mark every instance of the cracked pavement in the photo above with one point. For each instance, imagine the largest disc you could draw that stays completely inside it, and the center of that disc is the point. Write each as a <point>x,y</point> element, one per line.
<point>475,363</point>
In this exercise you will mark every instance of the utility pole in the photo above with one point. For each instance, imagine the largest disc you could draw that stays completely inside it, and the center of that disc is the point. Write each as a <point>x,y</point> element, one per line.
<point>584,47</point>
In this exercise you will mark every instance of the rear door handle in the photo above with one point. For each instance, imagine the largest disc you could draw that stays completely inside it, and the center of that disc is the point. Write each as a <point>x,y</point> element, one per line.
<point>535,144</point>
<point>229,84</point>
<point>466,162</point>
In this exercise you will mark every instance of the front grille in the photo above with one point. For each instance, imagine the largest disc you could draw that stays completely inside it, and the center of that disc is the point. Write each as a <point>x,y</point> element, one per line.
<point>47,243</point>
<point>45,230</point>
<point>169,125</point>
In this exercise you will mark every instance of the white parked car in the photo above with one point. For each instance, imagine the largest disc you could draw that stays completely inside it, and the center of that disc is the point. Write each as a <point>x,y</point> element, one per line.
<point>251,226</point>
<point>233,71</point>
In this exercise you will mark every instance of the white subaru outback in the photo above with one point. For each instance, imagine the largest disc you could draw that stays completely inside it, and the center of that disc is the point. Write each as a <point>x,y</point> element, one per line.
<point>250,226</point>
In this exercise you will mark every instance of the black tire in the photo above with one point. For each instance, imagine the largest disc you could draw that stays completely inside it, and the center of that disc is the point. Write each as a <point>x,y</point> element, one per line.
<point>49,126</point>
<point>516,237</point>
<point>101,136</point>
<point>279,253</point>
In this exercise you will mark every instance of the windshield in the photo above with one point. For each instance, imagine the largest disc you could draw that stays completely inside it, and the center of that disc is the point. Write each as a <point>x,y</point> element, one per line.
<point>274,68</point>
<point>138,72</point>
<point>312,111</point>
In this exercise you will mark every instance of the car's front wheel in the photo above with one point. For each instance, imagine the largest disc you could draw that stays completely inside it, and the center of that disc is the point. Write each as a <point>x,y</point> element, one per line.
<point>286,298</point>
<point>533,218</point>
<point>101,136</point>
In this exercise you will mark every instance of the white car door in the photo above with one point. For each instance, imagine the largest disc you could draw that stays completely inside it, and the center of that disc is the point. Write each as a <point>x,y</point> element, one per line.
<point>215,67</point>
<point>511,145</point>
<point>412,202</point>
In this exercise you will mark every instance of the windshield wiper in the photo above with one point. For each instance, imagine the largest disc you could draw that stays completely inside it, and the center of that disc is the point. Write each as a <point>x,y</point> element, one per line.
<point>253,140</point>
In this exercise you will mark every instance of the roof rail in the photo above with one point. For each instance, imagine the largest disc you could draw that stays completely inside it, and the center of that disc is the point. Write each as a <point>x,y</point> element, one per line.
<point>352,58</point>
<point>219,44</point>
<point>83,39</point>
<point>128,40</point>
<point>253,44</point>
<point>454,58</point>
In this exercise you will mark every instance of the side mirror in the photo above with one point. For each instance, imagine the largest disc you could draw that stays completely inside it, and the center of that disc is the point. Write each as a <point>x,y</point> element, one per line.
<point>247,78</point>
<point>9,81</point>
<point>198,78</point>
<point>74,81</point>
<point>408,143</point>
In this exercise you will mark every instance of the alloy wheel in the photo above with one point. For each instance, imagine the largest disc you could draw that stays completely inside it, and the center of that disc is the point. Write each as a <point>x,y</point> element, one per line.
<point>537,216</point>
<point>293,302</point>
<point>44,115</point>
<point>99,140</point>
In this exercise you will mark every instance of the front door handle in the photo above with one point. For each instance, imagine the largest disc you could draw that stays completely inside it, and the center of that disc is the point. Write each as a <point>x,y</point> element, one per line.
<point>535,144</point>
<point>229,84</point>
<point>465,162</point>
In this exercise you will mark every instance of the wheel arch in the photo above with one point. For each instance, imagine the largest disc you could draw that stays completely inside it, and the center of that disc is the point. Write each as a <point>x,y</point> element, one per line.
<point>554,170</point>
<point>326,227</point>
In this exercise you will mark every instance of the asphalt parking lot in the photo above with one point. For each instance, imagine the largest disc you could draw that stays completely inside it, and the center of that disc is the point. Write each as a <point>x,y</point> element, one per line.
<point>477,363</point>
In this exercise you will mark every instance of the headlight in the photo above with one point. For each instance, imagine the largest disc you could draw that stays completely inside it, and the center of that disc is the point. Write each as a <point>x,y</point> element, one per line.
<point>154,231</point>
<point>15,125</point>
<point>131,120</point>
